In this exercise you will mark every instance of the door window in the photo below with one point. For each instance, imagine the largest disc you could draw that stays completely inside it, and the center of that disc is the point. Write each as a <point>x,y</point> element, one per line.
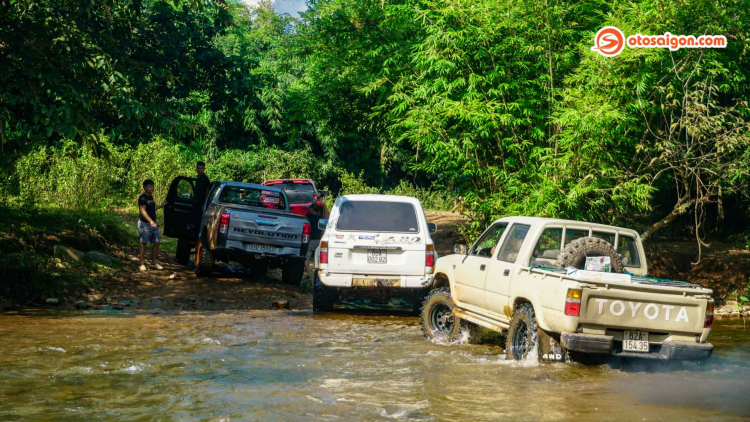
<point>185,190</point>
<point>548,246</point>
<point>609,237</point>
<point>486,244</point>
<point>573,234</point>
<point>628,248</point>
<point>513,242</point>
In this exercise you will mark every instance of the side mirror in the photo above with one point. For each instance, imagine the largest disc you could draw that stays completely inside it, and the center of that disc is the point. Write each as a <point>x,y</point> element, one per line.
<point>432,227</point>
<point>322,223</point>
<point>323,193</point>
<point>459,249</point>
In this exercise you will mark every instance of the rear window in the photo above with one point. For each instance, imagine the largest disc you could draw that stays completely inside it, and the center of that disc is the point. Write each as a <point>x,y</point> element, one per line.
<point>253,197</point>
<point>628,249</point>
<point>298,192</point>
<point>375,216</point>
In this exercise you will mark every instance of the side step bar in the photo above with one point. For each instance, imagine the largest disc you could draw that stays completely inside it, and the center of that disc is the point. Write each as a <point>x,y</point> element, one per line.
<point>480,320</point>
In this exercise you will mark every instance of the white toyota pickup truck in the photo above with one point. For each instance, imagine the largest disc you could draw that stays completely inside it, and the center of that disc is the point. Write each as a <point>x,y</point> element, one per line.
<point>525,276</point>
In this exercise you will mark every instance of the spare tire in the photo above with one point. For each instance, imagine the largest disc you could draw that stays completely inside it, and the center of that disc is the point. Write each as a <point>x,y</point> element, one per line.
<point>574,253</point>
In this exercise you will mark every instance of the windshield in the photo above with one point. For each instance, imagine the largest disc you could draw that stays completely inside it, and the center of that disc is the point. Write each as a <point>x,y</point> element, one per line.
<point>253,197</point>
<point>375,216</point>
<point>297,193</point>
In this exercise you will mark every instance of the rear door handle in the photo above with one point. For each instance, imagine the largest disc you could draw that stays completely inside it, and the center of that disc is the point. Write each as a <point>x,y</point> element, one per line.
<point>506,272</point>
<point>482,267</point>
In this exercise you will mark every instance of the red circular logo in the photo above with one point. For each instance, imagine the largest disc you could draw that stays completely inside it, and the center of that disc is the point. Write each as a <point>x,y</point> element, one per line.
<point>609,41</point>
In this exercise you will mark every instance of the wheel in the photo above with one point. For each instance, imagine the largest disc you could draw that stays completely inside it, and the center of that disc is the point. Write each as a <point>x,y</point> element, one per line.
<point>574,253</point>
<point>522,333</point>
<point>259,267</point>
<point>182,256</point>
<point>293,271</point>
<point>322,296</point>
<point>437,318</point>
<point>205,260</point>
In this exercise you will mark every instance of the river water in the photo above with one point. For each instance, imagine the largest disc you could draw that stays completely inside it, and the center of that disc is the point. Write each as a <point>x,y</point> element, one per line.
<point>280,365</point>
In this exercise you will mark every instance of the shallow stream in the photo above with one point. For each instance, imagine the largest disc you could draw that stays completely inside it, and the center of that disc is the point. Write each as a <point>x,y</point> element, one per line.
<point>277,365</point>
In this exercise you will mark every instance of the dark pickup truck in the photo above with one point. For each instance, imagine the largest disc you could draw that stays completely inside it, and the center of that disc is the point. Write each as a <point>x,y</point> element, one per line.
<point>243,222</point>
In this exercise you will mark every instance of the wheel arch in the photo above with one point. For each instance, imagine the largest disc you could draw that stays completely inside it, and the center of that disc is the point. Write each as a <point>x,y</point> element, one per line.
<point>538,311</point>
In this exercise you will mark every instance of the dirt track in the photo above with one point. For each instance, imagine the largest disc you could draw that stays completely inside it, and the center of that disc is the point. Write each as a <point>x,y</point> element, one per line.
<point>176,287</point>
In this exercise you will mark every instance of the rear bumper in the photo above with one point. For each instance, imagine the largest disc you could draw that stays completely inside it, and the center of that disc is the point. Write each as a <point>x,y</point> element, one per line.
<point>349,281</point>
<point>668,350</point>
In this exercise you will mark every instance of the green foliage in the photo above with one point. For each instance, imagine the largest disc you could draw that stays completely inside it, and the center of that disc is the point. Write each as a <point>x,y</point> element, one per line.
<point>503,104</point>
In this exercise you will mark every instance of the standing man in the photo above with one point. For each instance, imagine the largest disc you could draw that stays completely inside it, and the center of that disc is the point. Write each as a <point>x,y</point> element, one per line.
<point>147,227</point>
<point>201,184</point>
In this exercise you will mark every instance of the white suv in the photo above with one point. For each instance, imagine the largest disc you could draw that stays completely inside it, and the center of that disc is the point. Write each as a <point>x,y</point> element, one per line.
<point>378,245</point>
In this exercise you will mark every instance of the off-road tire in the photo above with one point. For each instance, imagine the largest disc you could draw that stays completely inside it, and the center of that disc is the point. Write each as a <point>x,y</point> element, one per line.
<point>322,296</point>
<point>182,256</point>
<point>436,318</point>
<point>522,334</point>
<point>574,253</point>
<point>293,271</point>
<point>206,261</point>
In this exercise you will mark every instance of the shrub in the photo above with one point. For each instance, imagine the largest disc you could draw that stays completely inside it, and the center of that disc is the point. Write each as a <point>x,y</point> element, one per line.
<point>160,161</point>
<point>68,177</point>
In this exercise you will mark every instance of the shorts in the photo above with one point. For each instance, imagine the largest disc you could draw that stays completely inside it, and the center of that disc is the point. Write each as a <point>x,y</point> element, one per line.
<point>148,233</point>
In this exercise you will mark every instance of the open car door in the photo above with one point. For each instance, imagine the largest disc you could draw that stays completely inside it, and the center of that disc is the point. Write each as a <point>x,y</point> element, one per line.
<point>182,215</point>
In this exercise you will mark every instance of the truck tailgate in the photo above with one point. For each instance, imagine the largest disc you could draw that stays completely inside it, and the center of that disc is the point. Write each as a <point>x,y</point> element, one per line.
<point>267,232</point>
<point>644,307</point>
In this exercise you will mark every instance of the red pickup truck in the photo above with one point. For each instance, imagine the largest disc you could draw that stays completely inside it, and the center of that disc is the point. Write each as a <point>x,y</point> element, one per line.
<point>301,194</point>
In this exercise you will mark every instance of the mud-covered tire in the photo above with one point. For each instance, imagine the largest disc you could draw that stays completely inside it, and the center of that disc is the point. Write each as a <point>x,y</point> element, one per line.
<point>574,253</point>
<point>293,271</point>
<point>182,255</point>
<point>436,318</point>
<point>322,296</point>
<point>522,334</point>
<point>206,261</point>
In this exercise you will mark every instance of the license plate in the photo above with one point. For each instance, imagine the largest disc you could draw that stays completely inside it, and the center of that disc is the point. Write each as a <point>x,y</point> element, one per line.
<point>377,256</point>
<point>635,341</point>
<point>376,282</point>
<point>262,248</point>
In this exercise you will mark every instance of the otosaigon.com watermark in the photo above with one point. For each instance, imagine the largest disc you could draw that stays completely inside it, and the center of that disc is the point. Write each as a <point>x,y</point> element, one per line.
<point>610,41</point>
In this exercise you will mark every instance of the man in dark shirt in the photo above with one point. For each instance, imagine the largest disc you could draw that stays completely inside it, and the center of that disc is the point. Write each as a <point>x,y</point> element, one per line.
<point>147,227</point>
<point>202,183</point>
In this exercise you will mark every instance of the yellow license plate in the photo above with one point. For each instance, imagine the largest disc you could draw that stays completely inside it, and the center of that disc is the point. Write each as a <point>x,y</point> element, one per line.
<point>376,282</point>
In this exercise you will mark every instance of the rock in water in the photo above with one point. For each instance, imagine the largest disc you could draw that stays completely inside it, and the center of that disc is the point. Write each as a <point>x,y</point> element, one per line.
<point>102,258</point>
<point>68,254</point>
<point>82,305</point>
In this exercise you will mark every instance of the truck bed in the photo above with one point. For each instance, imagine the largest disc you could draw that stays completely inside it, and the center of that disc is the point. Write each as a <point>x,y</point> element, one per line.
<point>636,279</point>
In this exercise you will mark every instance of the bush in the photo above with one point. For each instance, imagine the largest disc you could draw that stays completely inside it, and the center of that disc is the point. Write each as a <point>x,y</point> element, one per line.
<point>68,177</point>
<point>268,163</point>
<point>431,200</point>
<point>160,161</point>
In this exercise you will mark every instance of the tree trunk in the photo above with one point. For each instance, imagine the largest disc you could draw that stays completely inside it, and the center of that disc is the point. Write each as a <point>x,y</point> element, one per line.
<point>682,206</point>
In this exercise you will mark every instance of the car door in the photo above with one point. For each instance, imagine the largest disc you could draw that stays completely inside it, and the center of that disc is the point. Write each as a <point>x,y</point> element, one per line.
<point>182,213</point>
<point>471,272</point>
<point>501,270</point>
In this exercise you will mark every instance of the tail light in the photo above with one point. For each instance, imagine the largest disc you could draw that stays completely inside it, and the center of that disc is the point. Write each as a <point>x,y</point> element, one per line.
<point>573,302</point>
<point>324,252</point>
<point>709,315</point>
<point>429,258</point>
<point>224,224</point>
<point>306,233</point>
